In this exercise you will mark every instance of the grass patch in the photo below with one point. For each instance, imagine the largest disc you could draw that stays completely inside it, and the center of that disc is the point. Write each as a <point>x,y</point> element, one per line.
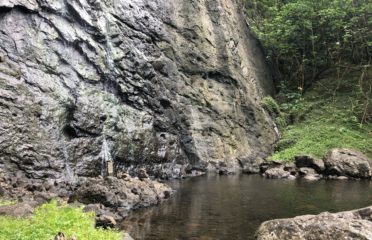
<point>328,116</point>
<point>49,219</point>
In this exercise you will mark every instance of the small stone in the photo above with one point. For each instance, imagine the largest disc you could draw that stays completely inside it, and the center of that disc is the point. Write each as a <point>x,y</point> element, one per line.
<point>312,177</point>
<point>142,174</point>
<point>43,197</point>
<point>106,221</point>
<point>291,168</point>
<point>122,175</point>
<point>306,171</point>
<point>2,191</point>
<point>166,194</point>
<point>291,177</point>
<point>60,236</point>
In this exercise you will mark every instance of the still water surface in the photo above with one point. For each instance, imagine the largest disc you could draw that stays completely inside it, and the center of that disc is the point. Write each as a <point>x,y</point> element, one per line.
<point>232,207</point>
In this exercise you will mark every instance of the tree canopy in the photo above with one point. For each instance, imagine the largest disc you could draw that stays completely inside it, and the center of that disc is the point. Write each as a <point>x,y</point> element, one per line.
<point>305,37</point>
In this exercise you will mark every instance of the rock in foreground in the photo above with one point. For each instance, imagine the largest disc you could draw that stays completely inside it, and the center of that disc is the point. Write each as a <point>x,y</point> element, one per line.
<point>118,196</point>
<point>356,224</point>
<point>110,198</point>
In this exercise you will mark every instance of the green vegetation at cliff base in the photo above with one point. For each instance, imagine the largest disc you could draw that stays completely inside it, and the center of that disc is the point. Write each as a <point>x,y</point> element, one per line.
<point>333,113</point>
<point>49,219</point>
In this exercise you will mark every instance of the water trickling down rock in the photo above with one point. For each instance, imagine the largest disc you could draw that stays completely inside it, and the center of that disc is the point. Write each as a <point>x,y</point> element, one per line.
<point>175,84</point>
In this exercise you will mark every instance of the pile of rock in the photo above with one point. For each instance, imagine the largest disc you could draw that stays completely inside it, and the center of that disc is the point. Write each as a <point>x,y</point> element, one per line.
<point>111,198</point>
<point>337,164</point>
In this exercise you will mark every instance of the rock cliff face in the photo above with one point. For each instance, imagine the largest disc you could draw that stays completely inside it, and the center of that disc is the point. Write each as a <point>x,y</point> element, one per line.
<point>167,85</point>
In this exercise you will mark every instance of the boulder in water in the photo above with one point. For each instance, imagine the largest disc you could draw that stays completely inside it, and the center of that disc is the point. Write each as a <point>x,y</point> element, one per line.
<point>277,173</point>
<point>309,162</point>
<point>119,196</point>
<point>355,224</point>
<point>345,162</point>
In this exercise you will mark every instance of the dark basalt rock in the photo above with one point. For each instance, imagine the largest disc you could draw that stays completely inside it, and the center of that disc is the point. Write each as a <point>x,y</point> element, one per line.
<point>310,162</point>
<point>160,83</point>
<point>110,196</point>
<point>119,196</point>
<point>160,89</point>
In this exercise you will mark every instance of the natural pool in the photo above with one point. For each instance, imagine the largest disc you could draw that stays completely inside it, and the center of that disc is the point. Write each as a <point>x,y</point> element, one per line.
<point>232,207</point>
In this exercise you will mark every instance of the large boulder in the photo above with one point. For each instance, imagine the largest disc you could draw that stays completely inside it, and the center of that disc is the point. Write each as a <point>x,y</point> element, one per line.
<point>277,173</point>
<point>309,174</point>
<point>350,225</point>
<point>17,210</point>
<point>118,196</point>
<point>345,162</point>
<point>309,162</point>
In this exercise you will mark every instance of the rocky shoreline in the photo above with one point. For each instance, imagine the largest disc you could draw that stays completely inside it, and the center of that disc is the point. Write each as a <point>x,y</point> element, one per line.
<point>111,198</point>
<point>338,164</point>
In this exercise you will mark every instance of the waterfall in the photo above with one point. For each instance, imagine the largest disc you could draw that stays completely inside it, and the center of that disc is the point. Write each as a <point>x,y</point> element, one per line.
<point>109,47</point>
<point>109,55</point>
<point>63,7</point>
<point>105,156</point>
<point>69,174</point>
<point>109,60</point>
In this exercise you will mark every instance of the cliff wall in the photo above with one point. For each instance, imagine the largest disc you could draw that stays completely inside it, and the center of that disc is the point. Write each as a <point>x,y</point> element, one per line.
<point>168,85</point>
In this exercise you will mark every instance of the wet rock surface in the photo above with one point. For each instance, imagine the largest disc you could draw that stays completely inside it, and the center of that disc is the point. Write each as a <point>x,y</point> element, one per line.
<point>159,85</point>
<point>147,89</point>
<point>356,224</point>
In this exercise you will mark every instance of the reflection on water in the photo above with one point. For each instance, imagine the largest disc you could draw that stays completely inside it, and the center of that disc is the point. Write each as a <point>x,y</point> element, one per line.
<point>232,207</point>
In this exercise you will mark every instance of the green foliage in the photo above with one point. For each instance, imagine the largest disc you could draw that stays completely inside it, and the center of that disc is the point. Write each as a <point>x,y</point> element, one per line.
<point>305,37</point>
<point>273,108</point>
<point>49,219</point>
<point>328,116</point>
<point>271,105</point>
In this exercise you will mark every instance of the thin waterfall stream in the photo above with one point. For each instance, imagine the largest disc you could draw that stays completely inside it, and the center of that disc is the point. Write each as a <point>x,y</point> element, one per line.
<point>106,158</point>
<point>68,172</point>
